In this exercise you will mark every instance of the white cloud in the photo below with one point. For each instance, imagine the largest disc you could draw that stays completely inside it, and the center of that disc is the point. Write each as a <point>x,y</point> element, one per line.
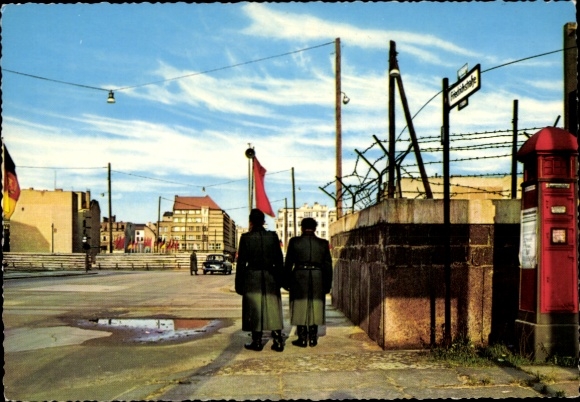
<point>269,23</point>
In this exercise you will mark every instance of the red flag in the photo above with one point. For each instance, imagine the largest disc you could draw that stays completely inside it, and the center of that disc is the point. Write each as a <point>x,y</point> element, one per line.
<point>11,186</point>
<point>262,202</point>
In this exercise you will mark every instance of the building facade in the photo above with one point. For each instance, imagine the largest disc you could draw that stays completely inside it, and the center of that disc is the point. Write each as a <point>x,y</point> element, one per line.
<point>55,222</point>
<point>197,224</point>
<point>320,213</point>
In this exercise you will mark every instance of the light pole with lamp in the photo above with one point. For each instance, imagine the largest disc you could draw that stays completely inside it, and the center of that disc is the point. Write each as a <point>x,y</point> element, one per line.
<point>250,154</point>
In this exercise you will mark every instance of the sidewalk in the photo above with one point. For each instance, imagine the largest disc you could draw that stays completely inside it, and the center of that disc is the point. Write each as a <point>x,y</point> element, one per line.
<point>339,368</point>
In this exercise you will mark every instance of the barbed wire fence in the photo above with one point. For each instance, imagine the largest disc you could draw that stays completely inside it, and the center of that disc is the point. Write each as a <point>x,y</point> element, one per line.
<point>365,185</point>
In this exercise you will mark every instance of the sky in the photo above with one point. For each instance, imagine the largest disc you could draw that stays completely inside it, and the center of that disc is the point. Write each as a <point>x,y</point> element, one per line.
<point>197,84</point>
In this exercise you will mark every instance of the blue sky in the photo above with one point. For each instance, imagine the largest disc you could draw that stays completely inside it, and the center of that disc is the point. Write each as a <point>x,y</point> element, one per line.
<point>168,136</point>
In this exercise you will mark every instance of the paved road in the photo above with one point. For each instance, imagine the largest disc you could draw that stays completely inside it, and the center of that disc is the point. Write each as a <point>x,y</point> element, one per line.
<point>63,342</point>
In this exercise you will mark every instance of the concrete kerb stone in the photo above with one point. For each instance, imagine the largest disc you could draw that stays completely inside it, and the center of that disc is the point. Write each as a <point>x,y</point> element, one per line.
<point>43,274</point>
<point>555,381</point>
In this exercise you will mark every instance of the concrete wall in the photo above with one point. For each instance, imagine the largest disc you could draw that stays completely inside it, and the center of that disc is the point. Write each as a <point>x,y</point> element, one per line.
<point>389,270</point>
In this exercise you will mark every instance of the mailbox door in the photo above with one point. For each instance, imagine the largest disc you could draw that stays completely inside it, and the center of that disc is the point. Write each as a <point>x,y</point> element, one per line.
<point>558,249</point>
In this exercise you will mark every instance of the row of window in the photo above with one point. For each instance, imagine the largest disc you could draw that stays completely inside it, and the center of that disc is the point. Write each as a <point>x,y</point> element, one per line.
<point>189,229</point>
<point>188,219</point>
<point>291,234</point>
<point>315,214</point>
<point>291,224</point>
<point>190,212</point>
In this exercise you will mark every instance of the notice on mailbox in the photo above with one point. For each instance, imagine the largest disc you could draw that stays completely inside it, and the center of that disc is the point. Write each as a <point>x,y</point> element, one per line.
<point>469,84</point>
<point>529,238</point>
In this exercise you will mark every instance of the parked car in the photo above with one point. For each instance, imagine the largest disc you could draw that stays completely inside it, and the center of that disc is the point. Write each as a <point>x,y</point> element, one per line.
<point>217,263</point>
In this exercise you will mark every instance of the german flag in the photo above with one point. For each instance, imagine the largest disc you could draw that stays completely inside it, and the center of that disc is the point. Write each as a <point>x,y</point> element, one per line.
<point>11,186</point>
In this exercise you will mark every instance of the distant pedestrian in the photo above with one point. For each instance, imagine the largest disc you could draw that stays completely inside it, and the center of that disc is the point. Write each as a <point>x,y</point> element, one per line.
<point>193,263</point>
<point>258,280</point>
<point>308,269</point>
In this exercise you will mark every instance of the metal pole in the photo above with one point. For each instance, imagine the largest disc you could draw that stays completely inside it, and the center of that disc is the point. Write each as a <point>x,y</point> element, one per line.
<point>285,223</point>
<point>158,223</point>
<point>379,175</point>
<point>110,212</point>
<point>446,214</point>
<point>294,204</point>
<point>413,135</point>
<point>338,110</point>
<point>515,151</point>
<point>249,186</point>
<point>391,179</point>
<point>252,185</point>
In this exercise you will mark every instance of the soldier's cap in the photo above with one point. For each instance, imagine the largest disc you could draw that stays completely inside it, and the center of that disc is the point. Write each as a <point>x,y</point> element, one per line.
<point>256,217</point>
<point>308,223</point>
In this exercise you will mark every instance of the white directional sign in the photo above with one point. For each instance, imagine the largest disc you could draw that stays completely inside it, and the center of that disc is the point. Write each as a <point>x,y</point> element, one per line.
<point>469,84</point>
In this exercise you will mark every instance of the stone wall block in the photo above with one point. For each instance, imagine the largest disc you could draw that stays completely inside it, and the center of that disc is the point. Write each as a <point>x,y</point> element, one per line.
<point>480,234</point>
<point>389,269</point>
<point>480,256</point>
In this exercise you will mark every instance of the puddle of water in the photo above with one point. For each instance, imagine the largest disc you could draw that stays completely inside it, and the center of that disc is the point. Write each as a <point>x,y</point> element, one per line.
<point>154,329</point>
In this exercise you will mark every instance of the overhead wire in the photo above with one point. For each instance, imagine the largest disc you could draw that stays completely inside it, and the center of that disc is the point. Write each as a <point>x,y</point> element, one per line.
<point>167,79</point>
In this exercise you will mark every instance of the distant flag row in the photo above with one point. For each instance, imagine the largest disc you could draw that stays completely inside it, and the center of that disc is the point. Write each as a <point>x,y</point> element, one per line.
<point>131,245</point>
<point>11,186</point>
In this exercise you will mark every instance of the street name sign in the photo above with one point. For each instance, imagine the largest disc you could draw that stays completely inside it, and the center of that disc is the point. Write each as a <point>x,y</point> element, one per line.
<point>461,90</point>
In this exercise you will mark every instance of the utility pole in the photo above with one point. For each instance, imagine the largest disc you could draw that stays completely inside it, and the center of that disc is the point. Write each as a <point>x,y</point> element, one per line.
<point>294,204</point>
<point>515,151</point>
<point>285,224</point>
<point>158,223</point>
<point>391,178</point>
<point>570,78</point>
<point>110,212</point>
<point>338,129</point>
<point>446,214</point>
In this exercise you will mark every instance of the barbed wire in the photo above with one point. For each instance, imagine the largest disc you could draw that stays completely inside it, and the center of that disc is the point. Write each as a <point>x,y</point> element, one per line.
<point>361,189</point>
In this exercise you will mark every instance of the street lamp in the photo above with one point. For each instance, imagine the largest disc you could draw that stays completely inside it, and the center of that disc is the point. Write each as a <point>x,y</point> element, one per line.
<point>111,98</point>
<point>250,154</point>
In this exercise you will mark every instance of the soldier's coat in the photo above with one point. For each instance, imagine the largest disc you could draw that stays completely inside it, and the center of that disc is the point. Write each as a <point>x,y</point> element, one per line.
<point>308,288</point>
<point>258,272</point>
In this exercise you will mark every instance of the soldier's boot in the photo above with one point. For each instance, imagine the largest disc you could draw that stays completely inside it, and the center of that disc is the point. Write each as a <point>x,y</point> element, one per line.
<point>277,341</point>
<point>313,335</point>
<point>256,343</point>
<point>302,333</point>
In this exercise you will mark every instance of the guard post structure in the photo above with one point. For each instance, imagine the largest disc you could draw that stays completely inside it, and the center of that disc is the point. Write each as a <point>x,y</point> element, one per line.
<point>547,323</point>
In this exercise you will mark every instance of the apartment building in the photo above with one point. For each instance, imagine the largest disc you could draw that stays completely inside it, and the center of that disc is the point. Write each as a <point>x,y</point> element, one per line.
<point>55,222</point>
<point>285,221</point>
<point>197,223</point>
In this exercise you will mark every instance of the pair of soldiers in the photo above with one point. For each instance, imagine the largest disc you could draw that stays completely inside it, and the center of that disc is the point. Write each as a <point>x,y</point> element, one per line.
<point>261,272</point>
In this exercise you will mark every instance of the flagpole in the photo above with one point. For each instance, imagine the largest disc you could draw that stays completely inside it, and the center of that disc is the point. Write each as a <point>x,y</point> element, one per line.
<point>5,223</point>
<point>110,212</point>
<point>294,204</point>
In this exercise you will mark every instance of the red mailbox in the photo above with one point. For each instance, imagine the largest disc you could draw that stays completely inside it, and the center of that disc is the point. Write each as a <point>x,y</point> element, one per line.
<point>548,314</point>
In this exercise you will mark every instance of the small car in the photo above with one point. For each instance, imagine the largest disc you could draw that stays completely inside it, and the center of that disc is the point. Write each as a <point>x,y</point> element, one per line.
<point>217,263</point>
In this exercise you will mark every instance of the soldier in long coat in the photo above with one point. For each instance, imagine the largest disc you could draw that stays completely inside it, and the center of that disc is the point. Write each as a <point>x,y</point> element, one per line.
<point>259,272</point>
<point>308,273</point>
